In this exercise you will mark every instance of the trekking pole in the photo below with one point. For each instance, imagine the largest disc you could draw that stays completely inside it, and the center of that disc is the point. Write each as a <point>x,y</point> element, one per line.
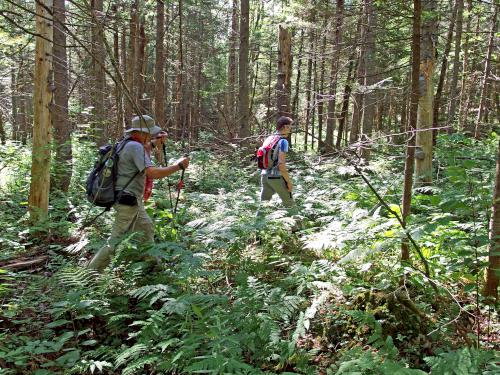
<point>180,184</point>
<point>168,180</point>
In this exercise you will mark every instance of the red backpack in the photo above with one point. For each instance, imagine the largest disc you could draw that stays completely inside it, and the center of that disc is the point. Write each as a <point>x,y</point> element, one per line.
<point>267,154</point>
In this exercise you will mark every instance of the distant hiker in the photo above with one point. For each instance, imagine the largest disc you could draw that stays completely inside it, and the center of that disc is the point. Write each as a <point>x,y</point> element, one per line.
<point>271,158</point>
<point>134,167</point>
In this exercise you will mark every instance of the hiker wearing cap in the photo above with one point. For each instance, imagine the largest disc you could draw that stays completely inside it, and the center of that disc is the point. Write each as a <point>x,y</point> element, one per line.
<point>274,173</point>
<point>134,167</point>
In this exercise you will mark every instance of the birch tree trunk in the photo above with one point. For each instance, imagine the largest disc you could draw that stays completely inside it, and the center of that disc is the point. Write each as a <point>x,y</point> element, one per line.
<point>42,135</point>
<point>424,120</point>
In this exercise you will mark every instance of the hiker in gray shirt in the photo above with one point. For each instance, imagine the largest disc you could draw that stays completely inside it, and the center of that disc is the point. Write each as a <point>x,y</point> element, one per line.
<point>134,166</point>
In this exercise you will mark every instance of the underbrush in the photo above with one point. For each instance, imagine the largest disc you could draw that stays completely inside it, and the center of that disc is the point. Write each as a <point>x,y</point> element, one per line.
<point>321,290</point>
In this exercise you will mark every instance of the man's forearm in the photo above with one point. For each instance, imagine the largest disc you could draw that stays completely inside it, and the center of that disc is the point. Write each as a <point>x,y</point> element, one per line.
<point>161,172</point>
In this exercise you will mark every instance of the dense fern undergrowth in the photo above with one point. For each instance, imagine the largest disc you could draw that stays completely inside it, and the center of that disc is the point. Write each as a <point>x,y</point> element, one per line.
<point>318,291</point>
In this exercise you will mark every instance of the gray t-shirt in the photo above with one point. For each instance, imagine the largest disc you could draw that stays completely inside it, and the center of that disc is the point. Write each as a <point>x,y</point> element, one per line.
<point>132,158</point>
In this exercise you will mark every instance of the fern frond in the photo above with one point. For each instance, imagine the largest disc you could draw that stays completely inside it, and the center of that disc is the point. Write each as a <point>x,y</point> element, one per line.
<point>159,291</point>
<point>139,364</point>
<point>130,354</point>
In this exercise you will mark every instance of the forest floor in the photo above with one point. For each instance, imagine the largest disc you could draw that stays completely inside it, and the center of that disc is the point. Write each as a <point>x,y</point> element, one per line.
<point>321,291</point>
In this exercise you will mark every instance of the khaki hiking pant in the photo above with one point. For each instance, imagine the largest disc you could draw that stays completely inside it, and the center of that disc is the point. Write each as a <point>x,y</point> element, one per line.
<point>128,219</point>
<point>271,185</point>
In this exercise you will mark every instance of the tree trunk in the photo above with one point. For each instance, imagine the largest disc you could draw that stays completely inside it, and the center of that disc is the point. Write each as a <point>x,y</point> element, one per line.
<point>330,120</point>
<point>414,102</point>
<point>269,81</point>
<point>424,122</point>
<point>314,102</point>
<point>232,71</point>
<point>487,65</point>
<point>99,84</point>
<point>243,104</point>
<point>360,76</point>
<point>2,130</point>
<point>60,116</point>
<point>118,129</point>
<point>131,63</point>
<point>295,103</point>
<point>284,80</point>
<point>444,67</point>
<point>159,64</point>
<point>309,88</point>
<point>140,73</point>
<point>14,101</point>
<point>40,168</point>
<point>370,80</point>
<point>345,105</point>
<point>320,97</point>
<point>465,67</point>
<point>179,107</point>
<point>456,61</point>
<point>491,286</point>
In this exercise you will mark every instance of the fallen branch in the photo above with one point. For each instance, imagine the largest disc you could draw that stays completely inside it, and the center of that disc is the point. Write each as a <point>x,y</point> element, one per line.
<point>25,264</point>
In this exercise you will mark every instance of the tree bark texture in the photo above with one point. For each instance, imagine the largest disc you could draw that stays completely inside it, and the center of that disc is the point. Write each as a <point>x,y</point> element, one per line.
<point>444,67</point>
<point>360,77</point>
<point>370,79</point>
<point>159,107</point>
<point>232,71</point>
<point>131,63</point>
<point>332,92</point>
<point>309,84</point>
<point>487,67</point>
<point>320,95</point>
<point>295,102</point>
<point>345,105</point>
<point>60,115</point>
<point>243,103</point>
<point>453,99</point>
<point>424,121</point>
<point>42,134</point>
<point>284,79</point>
<point>140,73</point>
<point>414,102</point>
<point>491,286</point>
<point>100,123</point>
<point>119,128</point>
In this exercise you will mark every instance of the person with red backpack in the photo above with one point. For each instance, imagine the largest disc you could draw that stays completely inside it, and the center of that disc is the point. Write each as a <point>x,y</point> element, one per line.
<point>271,158</point>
